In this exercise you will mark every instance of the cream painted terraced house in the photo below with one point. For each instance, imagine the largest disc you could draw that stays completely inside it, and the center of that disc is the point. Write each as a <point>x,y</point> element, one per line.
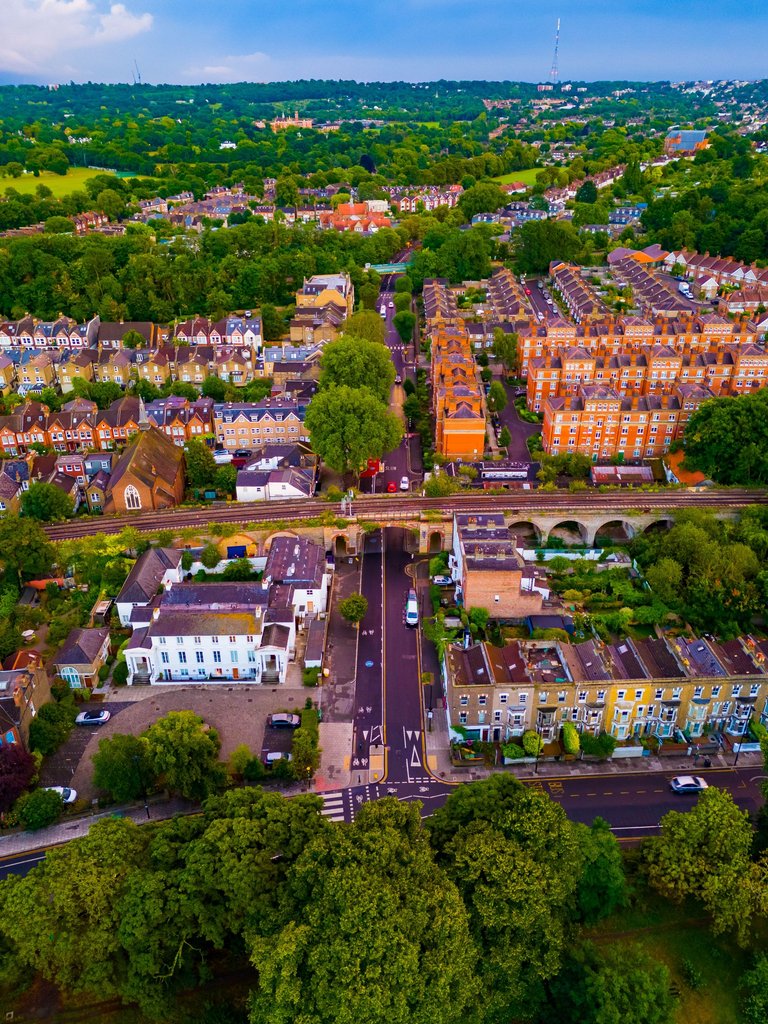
<point>673,689</point>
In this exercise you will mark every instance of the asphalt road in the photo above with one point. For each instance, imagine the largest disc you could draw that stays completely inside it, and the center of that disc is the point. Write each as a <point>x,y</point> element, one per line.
<point>368,719</point>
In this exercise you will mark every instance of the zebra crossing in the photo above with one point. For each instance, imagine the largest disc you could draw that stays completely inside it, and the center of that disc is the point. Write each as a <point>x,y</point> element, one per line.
<point>334,806</point>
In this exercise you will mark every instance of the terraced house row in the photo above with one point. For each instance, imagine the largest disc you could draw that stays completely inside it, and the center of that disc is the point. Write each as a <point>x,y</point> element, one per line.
<point>81,426</point>
<point>672,689</point>
<point>457,397</point>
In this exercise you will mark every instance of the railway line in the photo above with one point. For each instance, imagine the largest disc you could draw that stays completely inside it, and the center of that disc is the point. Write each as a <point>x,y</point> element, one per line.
<point>394,506</point>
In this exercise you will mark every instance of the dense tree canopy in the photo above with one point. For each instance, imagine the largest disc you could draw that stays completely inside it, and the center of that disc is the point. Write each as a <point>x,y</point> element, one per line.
<point>357,363</point>
<point>348,426</point>
<point>727,439</point>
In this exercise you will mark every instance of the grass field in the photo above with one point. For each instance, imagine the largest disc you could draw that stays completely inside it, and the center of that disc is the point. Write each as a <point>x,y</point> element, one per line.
<point>59,184</point>
<point>671,935</point>
<point>527,177</point>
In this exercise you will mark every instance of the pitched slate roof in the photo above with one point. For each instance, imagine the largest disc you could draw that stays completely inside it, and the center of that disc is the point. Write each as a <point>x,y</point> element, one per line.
<point>147,573</point>
<point>81,647</point>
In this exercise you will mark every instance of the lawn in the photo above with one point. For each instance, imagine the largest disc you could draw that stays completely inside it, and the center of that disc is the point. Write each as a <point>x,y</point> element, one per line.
<point>527,177</point>
<point>59,184</point>
<point>672,935</point>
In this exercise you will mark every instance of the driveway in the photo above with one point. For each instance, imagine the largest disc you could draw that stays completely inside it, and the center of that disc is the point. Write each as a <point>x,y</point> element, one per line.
<point>519,429</point>
<point>238,712</point>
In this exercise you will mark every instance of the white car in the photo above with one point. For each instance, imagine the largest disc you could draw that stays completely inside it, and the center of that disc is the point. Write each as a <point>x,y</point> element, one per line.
<point>688,784</point>
<point>405,483</point>
<point>93,717</point>
<point>222,457</point>
<point>391,305</point>
<point>68,796</point>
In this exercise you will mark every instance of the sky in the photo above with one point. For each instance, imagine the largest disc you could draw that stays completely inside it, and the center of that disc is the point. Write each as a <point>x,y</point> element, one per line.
<point>192,41</point>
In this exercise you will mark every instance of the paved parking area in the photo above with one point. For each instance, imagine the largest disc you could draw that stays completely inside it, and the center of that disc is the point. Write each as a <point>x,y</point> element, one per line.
<point>60,767</point>
<point>237,712</point>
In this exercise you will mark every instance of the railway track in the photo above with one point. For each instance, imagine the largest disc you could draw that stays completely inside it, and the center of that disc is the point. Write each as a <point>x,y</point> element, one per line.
<point>390,506</point>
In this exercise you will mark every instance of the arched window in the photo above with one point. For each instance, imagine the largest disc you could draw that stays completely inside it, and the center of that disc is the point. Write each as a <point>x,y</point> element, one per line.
<point>71,676</point>
<point>132,497</point>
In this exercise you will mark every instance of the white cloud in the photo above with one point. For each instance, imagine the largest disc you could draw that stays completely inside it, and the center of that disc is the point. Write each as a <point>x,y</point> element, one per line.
<point>38,36</point>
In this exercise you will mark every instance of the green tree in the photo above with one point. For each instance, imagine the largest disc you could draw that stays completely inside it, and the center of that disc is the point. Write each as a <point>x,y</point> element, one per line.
<point>51,726</point>
<point>210,556</point>
<point>215,388</point>
<point>354,607</point>
<point>200,464</point>
<point>665,578</point>
<point>539,242</point>
<point>505,348</point>
<point>486,197</point>
<point>17,769</point>
<point>403,285</point>
<point>367,325</point>
<point>503,838</point>
<point>754,1007</point>
<point>704,853</point>
<point>586,192</point>
<point>121,767</point>
<point>225,479</point>
<point>404,323</point>
<point>505,437</point>
<point>58,226</point>
<point>134,339</point>
<point>38,809</point>
<point>497,397</point>
<point>375,879</point>
<point>62,918</point>
<point>110,202</point>
<point>602,887</point>
<point>356,363</point>
<point>46,502</point>
<point>183,754</point>
<point>402,300</point>
<point>348,426</point>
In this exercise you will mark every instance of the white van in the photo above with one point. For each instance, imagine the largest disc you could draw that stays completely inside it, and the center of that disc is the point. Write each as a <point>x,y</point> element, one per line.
<point>411,609</point>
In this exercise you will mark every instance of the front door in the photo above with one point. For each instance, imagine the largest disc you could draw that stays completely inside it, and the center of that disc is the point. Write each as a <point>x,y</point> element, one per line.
<point>235,673</point>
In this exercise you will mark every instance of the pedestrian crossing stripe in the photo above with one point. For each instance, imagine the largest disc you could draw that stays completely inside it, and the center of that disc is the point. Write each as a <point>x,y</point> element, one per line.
<point>333,806</point>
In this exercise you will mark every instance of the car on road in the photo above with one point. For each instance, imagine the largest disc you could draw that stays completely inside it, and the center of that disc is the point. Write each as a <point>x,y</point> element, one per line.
<point>68,796</point>
<point>405,483</point>
<point>93,717</point>
<point>222,457</point>
<point>284,721</point>
<point>391,487</point>
<point>442,580</point>
<point>411,609</point>
<point>390,305</point>
<point>398,379</point>
<point>688,784</point>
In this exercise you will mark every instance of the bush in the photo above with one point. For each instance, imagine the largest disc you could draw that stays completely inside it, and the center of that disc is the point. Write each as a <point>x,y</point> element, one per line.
<point>51,726</point>
<point>210,556</point>
<point>254,770</point>
<point>38,809</point>
<point>309,676</point>
<point>533,744</point>
<point>601,746</point>
<point>239,760</point>
<point>120,673</point>
<point>692,975</point>
<point>187,559</point>
<point>512,751</point>
<point>570,738</point>
<point>103,673</point>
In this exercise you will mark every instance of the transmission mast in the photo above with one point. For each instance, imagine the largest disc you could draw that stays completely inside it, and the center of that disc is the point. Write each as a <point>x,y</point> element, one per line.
<point>554,72</point>
<point>137,73</point>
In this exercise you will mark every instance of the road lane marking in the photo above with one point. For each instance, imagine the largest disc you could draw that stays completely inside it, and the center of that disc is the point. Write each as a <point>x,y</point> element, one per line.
<point>623,792</point>
<point>591,794</point>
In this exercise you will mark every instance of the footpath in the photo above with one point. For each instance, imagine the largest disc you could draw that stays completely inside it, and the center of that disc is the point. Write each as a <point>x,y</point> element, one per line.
<point>439,762</point>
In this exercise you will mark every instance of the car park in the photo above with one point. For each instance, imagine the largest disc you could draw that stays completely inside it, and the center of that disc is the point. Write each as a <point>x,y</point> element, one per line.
<point>98,717</point>
<point>688,784</point>
<point>442,580</point>
<point>284,721</point>
<point>68,796</point>
<point>405,483</point>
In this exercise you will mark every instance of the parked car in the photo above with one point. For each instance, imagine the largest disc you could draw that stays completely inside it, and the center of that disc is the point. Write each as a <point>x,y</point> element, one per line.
<point>688,784</point>
<point>284,721</point>
<point>442,580</point>
<point>405,483</point>
<point>222,457</point>
<point>93,717</point>
<point>391,487</point>
<point>68,796</point>
<point>277,755</point>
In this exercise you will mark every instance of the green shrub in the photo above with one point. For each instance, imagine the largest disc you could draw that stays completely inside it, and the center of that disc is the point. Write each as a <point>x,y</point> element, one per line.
<point>597,746</point>
<point>239,760</point>
<point>254,770</point>
<point>38,809</point>
<point>51,726</point>
<point>570,738</point>
<point>512,751</point>
<point>103,673</point>
<point>692,975</point>
<point>533,744</point>
<point>309,676</point>
<point>120,673</point>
